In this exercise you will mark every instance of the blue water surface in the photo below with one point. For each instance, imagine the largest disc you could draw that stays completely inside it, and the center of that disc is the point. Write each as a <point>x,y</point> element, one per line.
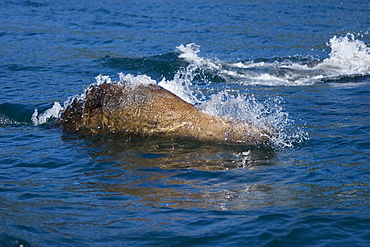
<point>305,63</point>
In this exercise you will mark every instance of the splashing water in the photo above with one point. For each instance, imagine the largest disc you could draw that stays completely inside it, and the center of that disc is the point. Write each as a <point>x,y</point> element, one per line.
<point>227,103</point>
<point>267,113</point>
<point>348,57</point>
<point>133,81</point>
<point>190,53</point>
<point>101,79</point>
<point>182,84</point>
<point>234,104</point>
<point>53,112</point>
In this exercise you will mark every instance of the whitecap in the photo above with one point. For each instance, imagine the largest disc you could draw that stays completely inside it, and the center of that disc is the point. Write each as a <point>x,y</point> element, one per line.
<point>348,57</point>
<point>53,112</point>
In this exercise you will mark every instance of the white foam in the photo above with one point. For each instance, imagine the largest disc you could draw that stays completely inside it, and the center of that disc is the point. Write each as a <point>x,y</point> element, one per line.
<point>348,57</point>
<point>190,52</point>
<point>181,88</point>
<point>53,112</point>
<point>182,84</point>
<point>101,79</point>
<point>132,80</point>
<point>127,79</point>
<point>4,120</point>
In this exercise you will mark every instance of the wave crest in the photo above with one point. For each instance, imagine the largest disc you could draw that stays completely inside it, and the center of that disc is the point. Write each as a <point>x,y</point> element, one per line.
<point>348,57</point>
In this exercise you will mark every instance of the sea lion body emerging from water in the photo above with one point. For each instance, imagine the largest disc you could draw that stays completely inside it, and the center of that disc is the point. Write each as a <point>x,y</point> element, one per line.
<point>152,111</point>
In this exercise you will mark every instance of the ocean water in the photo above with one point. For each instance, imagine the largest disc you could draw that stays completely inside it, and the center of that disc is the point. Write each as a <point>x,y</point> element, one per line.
<point>301,66</point>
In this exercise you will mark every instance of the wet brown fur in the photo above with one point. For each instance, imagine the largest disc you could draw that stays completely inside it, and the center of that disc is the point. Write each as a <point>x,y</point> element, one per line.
<point>152,111</point>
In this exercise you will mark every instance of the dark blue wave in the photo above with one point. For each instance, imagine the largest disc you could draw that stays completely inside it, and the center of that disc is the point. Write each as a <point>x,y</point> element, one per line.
<point>16,113</point>
<point>157,67</point>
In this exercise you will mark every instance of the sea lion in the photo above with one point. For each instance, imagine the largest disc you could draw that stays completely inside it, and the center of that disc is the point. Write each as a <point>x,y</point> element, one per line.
<point>149,110</point>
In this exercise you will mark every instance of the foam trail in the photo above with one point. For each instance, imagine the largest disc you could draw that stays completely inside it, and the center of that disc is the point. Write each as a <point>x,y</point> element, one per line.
<point>348,57</point>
